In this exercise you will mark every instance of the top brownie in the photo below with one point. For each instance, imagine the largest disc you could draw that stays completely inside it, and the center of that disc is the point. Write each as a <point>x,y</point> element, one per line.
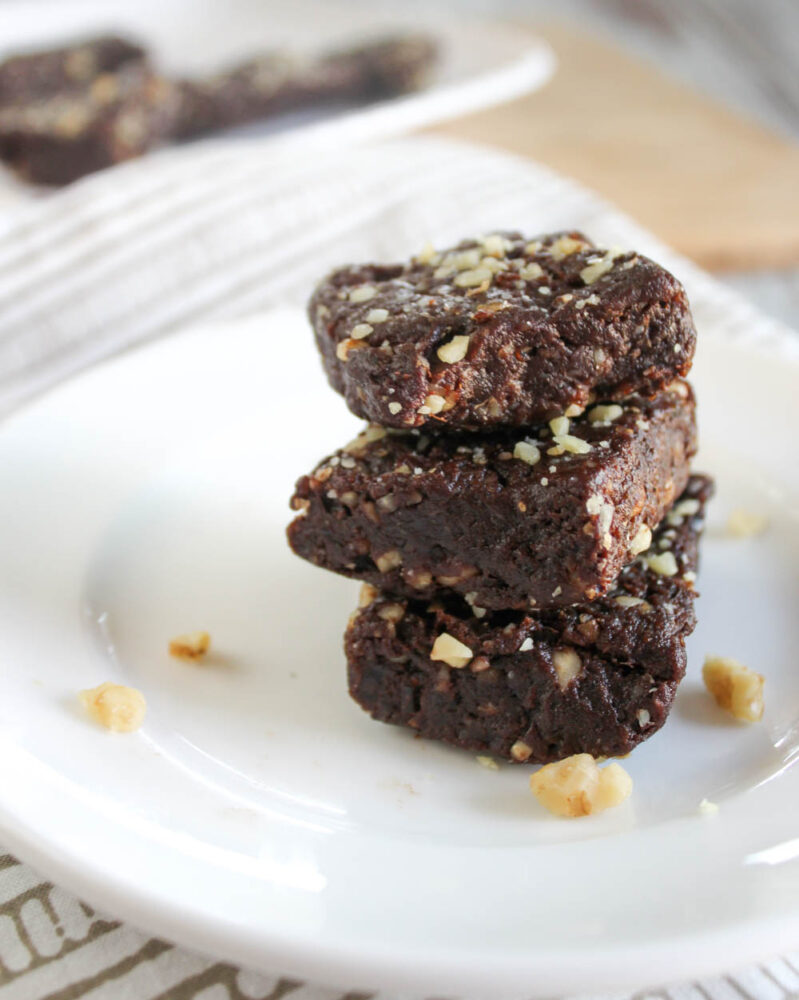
<point>500,330</point>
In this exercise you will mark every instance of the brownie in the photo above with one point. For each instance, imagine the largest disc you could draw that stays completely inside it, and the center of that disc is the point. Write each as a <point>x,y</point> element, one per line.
<point>534,687</point>
<point>500,331</point>
<point>44,73</point>
<point>59,138</point>
<point>276,82</point>
<point>507,519</point>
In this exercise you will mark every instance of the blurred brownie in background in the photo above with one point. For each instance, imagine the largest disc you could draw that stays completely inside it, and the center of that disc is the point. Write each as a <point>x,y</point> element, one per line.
<point>28,76</point>
<point>70,111</point>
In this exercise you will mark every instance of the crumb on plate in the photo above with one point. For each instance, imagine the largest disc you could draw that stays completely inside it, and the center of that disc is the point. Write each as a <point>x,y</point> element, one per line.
<point>743,523</point>
<point>115,706</point>
<point>192,646</point>
<point>576,786</point>
<point>735,687</point>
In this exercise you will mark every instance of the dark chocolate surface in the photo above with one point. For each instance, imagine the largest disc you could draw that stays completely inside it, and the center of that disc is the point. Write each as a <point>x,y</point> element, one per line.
<point>500,331</point>
<point>418,513</point>
<point>595,678</point>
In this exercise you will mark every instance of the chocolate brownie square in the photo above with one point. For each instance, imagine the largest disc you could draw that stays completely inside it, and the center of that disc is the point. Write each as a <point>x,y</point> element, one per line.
<point>61,137</point>
<point>276,81</point>
<point>500,330</point>
<point>32,75</point>
<point>534,687</point>
<point>541,517</point>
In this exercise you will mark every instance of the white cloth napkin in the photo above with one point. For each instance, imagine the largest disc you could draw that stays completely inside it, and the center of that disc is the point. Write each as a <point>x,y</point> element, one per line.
<point>221,230</point>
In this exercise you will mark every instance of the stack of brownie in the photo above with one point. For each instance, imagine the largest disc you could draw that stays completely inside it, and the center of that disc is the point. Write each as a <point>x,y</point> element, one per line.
<point>520,507</point>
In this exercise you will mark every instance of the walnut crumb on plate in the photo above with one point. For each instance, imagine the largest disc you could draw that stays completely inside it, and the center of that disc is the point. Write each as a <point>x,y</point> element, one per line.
<point>576,786</point>
<point>115,706</point>
<point>735,687</point>
<point>192,646</point>
<point>743,523</point>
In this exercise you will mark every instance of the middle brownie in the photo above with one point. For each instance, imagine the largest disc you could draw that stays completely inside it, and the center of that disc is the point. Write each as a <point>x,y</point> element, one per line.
<point>507,520</point>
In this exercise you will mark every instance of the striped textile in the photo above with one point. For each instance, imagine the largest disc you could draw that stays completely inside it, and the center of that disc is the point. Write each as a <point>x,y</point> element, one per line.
<point>221,230</point>
<point>54,947</point>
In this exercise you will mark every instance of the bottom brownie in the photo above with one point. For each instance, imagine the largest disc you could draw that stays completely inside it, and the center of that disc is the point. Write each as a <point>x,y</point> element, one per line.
<point>595,678</point>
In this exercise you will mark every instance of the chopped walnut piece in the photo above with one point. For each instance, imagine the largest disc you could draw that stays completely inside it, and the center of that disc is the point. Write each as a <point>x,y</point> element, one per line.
<point>641,540</point>
<point>567,665</point>
<point>627,601</point>
<point>192,646</point>
<point>488,762</point>
<point>451,651</point>
<point>362,293</point>
<point>605,414</point>
<point>736,688</point>
<point>371,433</point>
<point>345,346</point>
<point>594,271</point>
<point>746,523</point>
<point>564,246</point>
<point>454,350</point>
<point>572,444</point>
<point>388,561</point>
<point>521,751</point>
<point>115,706</point>
<point>664,563</point>
<point>531,271</point>
<point>391,613</point>
<point>361,330</point>
<point>495,245</point>
<point>368,594</point>
<point>432,404</point>
<point>576,786</point>
<point>428,254</point>
<point>475,277</point>
<point>526,452</point>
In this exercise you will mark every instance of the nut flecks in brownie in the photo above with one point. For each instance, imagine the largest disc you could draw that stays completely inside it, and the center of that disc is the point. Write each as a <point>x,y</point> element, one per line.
<point>506,331</point>
<point>597,677</point>
<point>496,517</point>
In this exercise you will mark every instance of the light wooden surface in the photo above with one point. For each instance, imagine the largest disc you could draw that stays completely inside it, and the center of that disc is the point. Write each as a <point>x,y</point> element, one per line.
<point>715,185</point>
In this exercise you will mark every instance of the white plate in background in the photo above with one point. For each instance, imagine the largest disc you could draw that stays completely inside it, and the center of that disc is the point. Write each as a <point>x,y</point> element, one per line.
<point>481,62</point>
<point>259,814</point>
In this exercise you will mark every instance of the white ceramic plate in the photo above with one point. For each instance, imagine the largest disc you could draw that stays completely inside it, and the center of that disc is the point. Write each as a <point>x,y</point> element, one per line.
<point>259,814</point>
<point>481,63</point>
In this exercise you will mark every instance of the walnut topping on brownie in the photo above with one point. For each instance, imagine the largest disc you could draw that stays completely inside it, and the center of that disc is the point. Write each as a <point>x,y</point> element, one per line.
<point>506,330</point>
<point>411,511</point>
